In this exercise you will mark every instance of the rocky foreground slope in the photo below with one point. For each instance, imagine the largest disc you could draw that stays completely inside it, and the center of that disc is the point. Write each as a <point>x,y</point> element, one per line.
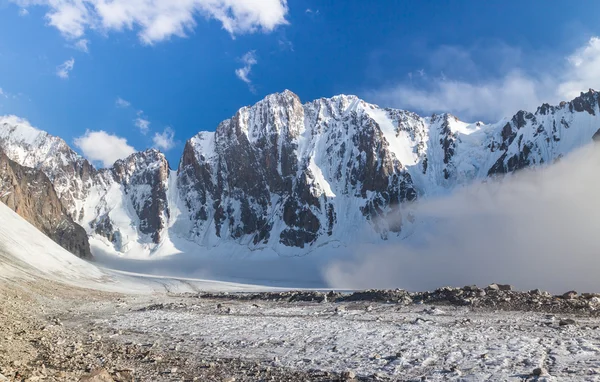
<point>49,334</point>
<point>289,177</point>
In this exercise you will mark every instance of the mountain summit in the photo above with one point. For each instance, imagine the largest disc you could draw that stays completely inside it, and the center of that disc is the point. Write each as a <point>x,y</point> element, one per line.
<point>289,176</point>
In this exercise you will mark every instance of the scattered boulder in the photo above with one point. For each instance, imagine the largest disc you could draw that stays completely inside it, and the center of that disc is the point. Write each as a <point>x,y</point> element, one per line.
<point>590,296</point>
<point>98,375</point>
<point>570,295</point>
<point>540,371</point>
<point>567,322</point>
<point>348,375</point>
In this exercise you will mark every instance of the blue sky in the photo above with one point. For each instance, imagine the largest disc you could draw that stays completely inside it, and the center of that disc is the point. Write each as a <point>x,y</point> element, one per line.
<point>150,73</point>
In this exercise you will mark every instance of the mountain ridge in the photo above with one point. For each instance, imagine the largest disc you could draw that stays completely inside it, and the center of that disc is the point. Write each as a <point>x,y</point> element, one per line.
<point>288,176</point>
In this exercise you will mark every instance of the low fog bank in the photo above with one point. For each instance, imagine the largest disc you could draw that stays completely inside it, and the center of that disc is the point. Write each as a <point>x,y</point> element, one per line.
<point>535,229</point>
<point>284,272</point>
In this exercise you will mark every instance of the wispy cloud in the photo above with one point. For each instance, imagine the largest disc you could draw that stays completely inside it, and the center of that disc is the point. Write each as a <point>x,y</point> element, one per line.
<point>159,20</point>
<point>63,70</point>
<point>494,97</point>
<point>120,102</point>
<point>23,12</point>
<point>312,13</point>
<point>165,140</point>
<point>249,60</point>
<point>285,44</point>
<point>100,146</point>
<point>3,94</point>
<point>142,124</point>
<point>141,121</point>
<point>82,45</point>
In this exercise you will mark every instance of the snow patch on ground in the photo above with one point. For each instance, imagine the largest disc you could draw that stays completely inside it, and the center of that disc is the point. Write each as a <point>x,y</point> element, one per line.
<point>26,253</point>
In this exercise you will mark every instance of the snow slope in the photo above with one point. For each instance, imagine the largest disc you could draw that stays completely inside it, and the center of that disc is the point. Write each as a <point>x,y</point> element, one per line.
<point>27,254</point>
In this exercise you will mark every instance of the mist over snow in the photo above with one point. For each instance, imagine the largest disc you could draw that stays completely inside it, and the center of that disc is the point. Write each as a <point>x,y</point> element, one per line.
<point>534,229</point>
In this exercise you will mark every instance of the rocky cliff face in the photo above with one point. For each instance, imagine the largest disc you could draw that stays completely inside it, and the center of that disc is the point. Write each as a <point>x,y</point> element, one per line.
<point>120,205</point>
<point>548,134</point>
<point>143,177</point>
<point>281,172</point>
<point>69,173</point>
<point>291,176</point>
<point>30,193</point>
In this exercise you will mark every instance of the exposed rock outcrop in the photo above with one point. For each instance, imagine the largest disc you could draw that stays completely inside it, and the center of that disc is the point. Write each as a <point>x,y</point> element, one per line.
<point>30,193</point>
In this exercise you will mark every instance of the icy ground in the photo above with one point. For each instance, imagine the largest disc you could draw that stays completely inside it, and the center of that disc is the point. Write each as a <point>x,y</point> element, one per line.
<point>382,341</point>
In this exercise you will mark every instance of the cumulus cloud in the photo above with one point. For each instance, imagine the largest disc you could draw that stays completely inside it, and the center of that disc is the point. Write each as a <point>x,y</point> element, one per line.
<point>100,146</point>
<point>249,60</point>
<point>142,124</point>
<point>536,229</point>
<point>166,140</point>
<point>23,12</point>
<point>158,20</point>
<point>120,102</point>
<point>63,70</point>
<point>492,98</point>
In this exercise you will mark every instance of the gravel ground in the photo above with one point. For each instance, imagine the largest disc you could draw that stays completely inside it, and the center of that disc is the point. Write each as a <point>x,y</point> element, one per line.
<point>50,332</point>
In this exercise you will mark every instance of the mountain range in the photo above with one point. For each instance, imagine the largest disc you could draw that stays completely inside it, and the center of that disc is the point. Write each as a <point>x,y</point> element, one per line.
<point>279,175</point>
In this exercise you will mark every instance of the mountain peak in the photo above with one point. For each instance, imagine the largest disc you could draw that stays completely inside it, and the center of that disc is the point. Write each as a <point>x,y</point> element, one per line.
<point>289,176</point>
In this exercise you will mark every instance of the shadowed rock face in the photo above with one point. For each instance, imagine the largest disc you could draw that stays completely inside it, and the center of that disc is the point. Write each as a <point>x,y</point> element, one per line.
<point>144,179</point>
<point>70,174</point>
<point>257,176</point>
<point>522,149</point>
<point>30,193</point>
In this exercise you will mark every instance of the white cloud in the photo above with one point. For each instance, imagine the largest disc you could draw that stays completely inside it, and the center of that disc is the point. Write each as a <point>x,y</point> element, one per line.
<point>496,231</point>
<point>82,45</point>
<point>493,99</point>
<point>584,70</point>
<point>3,94</point>
<point>249,60</point>
<point>165,140</point>
<point>23,12</point>
<point>502,96</point>
<point>142,124</point>
<point>158,20</point>
<point>120,102</point>
<point>285,44</point>
<point>65,68</point>
<point>99,146</point>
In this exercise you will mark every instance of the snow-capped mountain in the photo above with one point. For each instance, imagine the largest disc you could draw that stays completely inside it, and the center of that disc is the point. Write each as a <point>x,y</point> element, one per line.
<point>291,177</point>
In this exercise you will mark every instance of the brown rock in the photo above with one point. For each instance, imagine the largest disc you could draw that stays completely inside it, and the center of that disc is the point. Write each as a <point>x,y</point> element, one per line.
<point>570,295</point>
<point>30,194</point>
<point>98,375</point>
